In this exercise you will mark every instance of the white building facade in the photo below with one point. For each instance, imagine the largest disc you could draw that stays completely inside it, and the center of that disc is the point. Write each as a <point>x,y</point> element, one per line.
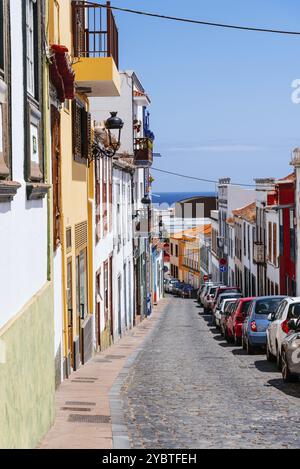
<point>27,347</point>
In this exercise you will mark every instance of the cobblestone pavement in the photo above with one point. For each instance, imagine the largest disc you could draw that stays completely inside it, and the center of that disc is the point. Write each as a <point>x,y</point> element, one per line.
<point>190,389</point>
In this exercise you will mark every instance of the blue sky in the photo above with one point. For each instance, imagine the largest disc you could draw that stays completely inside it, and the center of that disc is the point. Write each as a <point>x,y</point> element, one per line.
<point>221,99</point>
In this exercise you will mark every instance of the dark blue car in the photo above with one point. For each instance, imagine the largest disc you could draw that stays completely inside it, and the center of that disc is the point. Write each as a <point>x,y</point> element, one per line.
<point>256,324</point>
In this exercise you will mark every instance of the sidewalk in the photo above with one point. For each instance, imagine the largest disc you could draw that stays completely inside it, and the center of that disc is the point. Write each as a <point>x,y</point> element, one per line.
<point>84,406</point>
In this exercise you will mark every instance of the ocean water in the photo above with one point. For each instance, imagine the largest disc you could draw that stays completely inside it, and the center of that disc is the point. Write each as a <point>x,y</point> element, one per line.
<point>171,198</point>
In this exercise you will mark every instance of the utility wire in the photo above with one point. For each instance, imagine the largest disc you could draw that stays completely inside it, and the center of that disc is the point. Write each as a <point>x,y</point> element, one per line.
<point>203,23</point>
<point>211,181</point>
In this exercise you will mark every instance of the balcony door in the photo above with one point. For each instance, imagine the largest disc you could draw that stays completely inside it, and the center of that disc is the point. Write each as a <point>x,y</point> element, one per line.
<point>81,294</point>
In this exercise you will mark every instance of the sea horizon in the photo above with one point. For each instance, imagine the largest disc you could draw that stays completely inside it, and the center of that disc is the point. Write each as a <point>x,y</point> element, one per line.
<point>173,197</point>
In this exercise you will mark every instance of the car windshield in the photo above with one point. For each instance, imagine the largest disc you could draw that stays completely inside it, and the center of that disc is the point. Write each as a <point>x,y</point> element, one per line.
<point>231,306</point>
<point>266,306</point>
<point>245,306</point>
<point>225,304</point>
<point>228,296</point>
<point>294,311</point>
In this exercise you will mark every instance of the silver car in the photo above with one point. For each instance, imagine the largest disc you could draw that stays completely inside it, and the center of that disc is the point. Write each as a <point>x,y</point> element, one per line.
<point>290,354</point>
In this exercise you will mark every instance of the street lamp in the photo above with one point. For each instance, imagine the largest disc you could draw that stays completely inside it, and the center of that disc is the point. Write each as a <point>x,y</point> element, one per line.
<point>108,147</point>
<point>146,200</point>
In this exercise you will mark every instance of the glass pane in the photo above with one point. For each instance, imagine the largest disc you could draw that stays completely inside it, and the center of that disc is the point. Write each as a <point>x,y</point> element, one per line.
<point>82,268</point>
<point>69,285</point>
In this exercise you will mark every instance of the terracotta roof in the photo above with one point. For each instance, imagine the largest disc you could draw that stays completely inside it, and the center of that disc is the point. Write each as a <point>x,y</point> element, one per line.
<point>247,213</point>
<point>291,177</point>
<point>193,232</point>
<point>230,221</point>
<point>140,94</point>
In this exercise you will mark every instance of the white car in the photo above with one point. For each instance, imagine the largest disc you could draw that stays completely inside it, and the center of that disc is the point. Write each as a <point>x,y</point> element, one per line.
<point>278,329</point>
<point>204,291</point>
<point>169,285</point>
<point>210,296</point>
<point>221,311</point>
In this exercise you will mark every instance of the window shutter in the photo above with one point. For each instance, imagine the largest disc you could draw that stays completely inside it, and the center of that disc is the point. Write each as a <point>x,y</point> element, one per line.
<point>86,135</point>
<point>56,175</point>
<point>76,128</point>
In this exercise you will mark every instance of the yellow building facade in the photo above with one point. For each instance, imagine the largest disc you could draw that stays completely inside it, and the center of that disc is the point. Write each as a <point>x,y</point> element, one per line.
<point>95,74</point>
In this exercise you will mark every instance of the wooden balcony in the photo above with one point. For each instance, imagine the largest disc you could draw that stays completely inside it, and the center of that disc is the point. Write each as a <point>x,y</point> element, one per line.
<point>143,151</point>
<point>96,46</point>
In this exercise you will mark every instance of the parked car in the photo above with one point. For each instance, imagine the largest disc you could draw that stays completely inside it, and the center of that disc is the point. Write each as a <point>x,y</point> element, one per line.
<point>234,324</point>
<point>224,317</point>
<point>290,353</point>
<point>204,291</point>
<point>169,284</point>
<point>224,296</point>
<point>199,292</point>
<point>255,326</point>
<point>279,327</point>
<point>222,289</point>
<point>208,299</point>
<point>187,291</point>
<point>175,287</point>
<point>223,309</point>
<point>179,288</point>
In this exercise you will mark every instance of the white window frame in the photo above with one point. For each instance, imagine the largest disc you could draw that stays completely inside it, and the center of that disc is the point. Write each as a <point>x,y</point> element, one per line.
<point>30,58</point>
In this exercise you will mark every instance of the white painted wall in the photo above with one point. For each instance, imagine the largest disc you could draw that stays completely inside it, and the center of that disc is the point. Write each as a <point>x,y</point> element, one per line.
<point>123,252</point>
<point>23,224</point>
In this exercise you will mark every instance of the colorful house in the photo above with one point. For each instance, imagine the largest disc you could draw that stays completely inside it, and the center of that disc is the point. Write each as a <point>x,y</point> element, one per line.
<point>27,372</point>
<point>95,73</point>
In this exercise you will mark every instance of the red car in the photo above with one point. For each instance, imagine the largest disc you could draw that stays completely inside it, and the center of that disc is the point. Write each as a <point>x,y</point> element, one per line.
<point>234,323</point>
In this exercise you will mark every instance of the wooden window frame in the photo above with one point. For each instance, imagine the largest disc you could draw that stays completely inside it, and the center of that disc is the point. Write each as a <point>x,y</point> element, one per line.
<point>5,93</point>
<point>104,196</point>
<point>98,200</point>
<point>270,237</point>
<point>81,130</point>
<point>81,252</point>
<point>275,244</point>
<point>110,193</point>
<point>33,101</point>
<point>69,245</point>
<point>56,175</point>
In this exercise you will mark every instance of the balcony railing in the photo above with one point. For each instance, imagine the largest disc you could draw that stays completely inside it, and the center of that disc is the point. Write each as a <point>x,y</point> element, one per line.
<point>259,253</point>
<point>95,31</point>
<point>143,151</point>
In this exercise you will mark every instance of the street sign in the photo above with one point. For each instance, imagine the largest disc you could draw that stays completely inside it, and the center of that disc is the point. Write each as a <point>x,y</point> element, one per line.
<point>223,269</point>
<point>223,262</point>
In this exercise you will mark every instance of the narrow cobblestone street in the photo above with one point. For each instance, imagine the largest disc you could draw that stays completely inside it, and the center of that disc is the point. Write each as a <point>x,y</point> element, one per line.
<point>190,389</point>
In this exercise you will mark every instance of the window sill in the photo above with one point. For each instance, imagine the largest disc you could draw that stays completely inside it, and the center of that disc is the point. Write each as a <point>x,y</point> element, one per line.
<point>8,190</point>
<point>36,191</point>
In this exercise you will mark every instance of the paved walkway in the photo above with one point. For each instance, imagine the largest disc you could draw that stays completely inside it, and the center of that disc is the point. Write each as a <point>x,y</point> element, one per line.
<point>190,389</point>
<point>89,412</point>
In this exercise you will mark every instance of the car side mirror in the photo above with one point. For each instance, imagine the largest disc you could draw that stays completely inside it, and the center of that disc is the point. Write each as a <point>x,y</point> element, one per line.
<point>272,317</point>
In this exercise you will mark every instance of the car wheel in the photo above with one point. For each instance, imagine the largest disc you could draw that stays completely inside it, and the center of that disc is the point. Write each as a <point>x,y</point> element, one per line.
<point>228,339</point>
<point>287,376</point>
<point>250,348</point>
<point>237,340</point>
<point>243,343</point>
<point>270,356</point>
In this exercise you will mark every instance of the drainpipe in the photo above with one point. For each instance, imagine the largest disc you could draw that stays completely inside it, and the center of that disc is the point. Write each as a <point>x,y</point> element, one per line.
<point>296,163</point>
